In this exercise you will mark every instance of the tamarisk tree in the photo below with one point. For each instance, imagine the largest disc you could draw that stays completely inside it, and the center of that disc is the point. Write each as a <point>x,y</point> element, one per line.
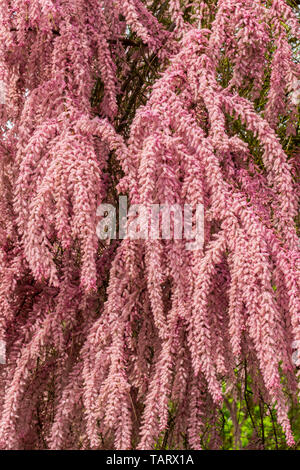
<point>122,344</point>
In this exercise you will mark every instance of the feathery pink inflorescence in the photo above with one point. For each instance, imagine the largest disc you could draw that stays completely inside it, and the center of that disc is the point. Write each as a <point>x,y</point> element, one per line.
<point>103,338</point>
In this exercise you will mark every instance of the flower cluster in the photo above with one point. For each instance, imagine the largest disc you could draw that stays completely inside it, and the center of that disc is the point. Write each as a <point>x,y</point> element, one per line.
<point>101,339</point>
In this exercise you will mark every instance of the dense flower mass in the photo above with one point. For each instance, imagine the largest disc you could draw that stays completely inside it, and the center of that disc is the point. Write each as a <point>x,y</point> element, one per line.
<point>170,102</point>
